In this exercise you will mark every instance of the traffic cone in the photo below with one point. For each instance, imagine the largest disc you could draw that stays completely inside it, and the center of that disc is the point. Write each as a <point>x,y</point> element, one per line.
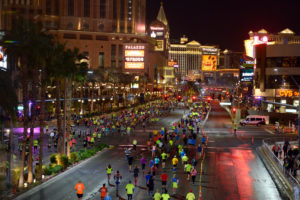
<point>200,195</point>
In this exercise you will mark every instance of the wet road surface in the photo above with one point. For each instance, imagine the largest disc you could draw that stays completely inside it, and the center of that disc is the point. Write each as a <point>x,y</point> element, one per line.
<point>232,169</point>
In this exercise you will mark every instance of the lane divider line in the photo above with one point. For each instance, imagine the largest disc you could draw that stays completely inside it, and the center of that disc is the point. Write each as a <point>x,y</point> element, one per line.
<point>201,172</point>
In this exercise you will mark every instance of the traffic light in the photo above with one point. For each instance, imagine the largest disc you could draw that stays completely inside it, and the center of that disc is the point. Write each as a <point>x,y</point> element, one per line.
<point>234,110</point>
<point>165,97</point>
<point>194,98</point>
<point>179,97</point>
<point>208,99</point>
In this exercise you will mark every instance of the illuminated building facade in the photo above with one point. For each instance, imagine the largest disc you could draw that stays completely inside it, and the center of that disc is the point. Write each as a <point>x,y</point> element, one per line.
<point>99,28</point>
<point>187,55</point>
<point>159,33</point>
<point>195,61</point>
<point>277,61</point>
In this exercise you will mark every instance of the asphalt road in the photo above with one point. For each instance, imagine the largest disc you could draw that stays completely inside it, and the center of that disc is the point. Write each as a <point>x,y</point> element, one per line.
<point>93,174</point>
<point>232,169</point>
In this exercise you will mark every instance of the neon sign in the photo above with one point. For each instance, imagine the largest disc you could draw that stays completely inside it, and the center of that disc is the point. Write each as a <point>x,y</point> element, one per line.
<point>288,93</point>
<point>134,56</point>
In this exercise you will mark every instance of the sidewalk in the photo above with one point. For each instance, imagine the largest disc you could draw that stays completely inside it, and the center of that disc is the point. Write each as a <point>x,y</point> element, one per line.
<point>287,130</point>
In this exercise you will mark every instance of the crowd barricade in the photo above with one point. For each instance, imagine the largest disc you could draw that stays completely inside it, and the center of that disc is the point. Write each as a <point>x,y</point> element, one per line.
<point>267,144</point>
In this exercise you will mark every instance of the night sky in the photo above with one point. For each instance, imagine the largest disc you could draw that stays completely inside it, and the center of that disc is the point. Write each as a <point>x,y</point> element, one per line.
<point>226,22</point>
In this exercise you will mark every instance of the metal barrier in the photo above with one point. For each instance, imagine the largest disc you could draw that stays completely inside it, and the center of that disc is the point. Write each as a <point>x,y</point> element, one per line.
<point>292,180</point>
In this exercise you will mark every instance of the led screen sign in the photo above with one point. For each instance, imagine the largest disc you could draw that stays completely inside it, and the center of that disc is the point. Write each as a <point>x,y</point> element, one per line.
<point>157,32</point>
<point>209,59</point>
<point>209,62</point>
<point>209,51</point>
<point>3,59</point>
<point>134,56</point>
<point>246,74</point>
<point>159,46</point>
<point>173,63</point>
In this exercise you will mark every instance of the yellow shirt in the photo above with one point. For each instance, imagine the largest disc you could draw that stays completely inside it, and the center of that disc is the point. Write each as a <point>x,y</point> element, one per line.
<point>190,196</point>
<point>174,161</point>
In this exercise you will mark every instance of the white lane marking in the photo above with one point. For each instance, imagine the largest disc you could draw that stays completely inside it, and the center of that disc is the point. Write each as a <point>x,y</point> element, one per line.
<point>269,131</point>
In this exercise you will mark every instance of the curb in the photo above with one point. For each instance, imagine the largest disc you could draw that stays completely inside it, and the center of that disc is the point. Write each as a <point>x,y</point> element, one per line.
<point>54,178</point>
<point>282,184</point>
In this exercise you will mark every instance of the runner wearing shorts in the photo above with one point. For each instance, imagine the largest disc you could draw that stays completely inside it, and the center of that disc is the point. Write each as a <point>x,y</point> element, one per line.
<point>79,187</point>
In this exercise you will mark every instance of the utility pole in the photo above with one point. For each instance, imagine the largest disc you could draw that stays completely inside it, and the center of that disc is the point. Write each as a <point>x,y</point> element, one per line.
<point>298,111</point>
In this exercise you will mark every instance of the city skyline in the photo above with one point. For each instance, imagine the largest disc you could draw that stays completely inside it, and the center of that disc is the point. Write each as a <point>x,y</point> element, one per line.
<point>273,16</point>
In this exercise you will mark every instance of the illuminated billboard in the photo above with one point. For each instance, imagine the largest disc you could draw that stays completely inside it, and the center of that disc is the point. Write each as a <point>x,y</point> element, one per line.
<point>134,56</point>
<point>247,74</point>
<point>134,53</point>
<point>159,46</point>
<point>209,62</point>
<point>3,59</point>
<point>134,65</point>
<point>173,63</point>
<point>157,32</point>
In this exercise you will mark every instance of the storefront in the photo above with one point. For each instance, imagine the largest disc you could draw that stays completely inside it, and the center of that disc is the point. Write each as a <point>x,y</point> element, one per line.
<point>284,96</point>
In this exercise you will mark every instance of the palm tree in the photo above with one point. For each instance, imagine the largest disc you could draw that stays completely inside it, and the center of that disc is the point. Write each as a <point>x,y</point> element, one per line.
<point>41,43</point>
<point>24,48</point>
<point>46,51</point>
<point>8,105</point>
<point>75,70</point>
<point>64,65</point>
<point>54,70</point>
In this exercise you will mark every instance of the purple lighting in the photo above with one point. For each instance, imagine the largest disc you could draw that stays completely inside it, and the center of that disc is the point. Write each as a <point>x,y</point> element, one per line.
<point>36,131</point>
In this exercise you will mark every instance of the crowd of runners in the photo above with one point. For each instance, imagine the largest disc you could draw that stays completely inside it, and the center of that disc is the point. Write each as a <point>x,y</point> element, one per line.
<point>171,149</point>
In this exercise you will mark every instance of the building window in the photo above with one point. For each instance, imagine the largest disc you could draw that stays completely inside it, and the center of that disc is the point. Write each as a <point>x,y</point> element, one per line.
<point>87,8</point>
<point>70,26</point>
<point>122,11</point>
<point>101,59</point>
<point>120,55</point>
<point>115,9</point>
<point>70,7</point>
<point>101,27</point>
<point>56,7</point>
<point>86,26</point>
<point>102,8</point>
<point>113,55</point>
<point>48,7</point>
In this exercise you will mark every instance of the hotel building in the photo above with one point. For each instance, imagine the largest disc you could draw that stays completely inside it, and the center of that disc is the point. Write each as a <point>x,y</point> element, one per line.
<point>277,64</point>
<point>99,28</point>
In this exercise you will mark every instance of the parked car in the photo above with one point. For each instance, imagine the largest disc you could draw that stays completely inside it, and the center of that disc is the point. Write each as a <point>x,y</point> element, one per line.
<point>257,120</point>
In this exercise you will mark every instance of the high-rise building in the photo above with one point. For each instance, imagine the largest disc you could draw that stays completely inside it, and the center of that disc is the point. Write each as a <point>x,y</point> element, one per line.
<point>187,55</point>
<point>277,58</point>
<point>159,33</point>
<point>195,61</point>
<point>99,28</point>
